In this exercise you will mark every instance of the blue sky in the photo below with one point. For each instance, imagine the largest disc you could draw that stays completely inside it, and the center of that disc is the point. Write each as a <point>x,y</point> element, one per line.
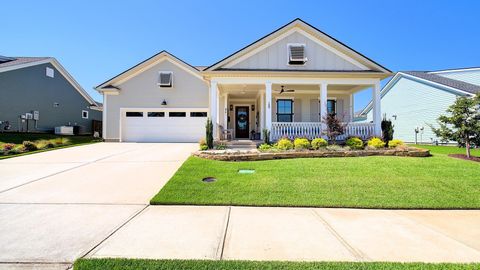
<point>96,40</point>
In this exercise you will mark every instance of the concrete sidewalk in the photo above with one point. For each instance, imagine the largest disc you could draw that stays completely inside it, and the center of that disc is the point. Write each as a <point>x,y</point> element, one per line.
<point>297,234</point>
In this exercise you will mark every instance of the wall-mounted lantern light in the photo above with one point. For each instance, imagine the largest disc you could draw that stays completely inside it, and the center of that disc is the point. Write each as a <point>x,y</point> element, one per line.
<point>231,107</point>
<point>253,108</point>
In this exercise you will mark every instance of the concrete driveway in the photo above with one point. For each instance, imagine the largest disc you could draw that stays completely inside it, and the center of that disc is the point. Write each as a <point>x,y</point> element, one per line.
<point>58,205</point>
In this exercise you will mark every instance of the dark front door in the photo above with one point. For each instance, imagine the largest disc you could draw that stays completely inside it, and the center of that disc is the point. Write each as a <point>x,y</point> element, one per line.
<point>241,122</point>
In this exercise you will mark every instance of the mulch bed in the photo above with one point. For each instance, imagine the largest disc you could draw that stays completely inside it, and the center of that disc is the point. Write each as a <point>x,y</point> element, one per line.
<point>462,156</point>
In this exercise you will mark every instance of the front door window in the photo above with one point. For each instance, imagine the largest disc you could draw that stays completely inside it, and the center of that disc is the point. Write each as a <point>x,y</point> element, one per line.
<point>242,122</point>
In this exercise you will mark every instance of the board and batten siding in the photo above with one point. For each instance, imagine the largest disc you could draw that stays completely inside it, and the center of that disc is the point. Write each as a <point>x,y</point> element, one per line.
<point>275,56</point>
<point>29,89</point>
<point>468,76</point>
<point>415,104</point>
<point>142,91</point>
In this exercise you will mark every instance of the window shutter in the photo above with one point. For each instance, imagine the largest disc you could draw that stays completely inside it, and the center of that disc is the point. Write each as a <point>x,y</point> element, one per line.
<point>165,79</point>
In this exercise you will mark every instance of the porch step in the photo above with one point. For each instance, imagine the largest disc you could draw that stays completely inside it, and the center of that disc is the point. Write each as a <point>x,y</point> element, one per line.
<point>242,144</point>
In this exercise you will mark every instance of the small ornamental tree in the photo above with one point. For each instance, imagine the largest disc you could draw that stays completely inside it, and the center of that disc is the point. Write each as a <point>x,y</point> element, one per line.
<point>209,133</point>
<point>387,129</point>
<point>335,127</point>
<point>462,124</point>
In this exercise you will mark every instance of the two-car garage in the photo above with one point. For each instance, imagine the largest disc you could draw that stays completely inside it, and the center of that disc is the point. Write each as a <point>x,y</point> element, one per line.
<point>163,125</point>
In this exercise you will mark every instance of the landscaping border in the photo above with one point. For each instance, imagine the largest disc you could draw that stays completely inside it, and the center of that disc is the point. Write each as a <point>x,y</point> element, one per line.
<point>256,155</point>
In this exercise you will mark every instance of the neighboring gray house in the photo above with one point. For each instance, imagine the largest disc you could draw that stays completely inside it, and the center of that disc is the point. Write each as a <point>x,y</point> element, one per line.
<point>415,99</point>
<point>37,94</point>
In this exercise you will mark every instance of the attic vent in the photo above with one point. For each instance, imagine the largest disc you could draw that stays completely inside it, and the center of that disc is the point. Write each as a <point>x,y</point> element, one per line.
<point>296,54</point>
<point>165,79</point>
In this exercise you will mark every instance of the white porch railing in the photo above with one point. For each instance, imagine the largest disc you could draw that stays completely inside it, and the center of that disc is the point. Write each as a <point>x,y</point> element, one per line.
<point>311,130</point>
<point>292,130</point>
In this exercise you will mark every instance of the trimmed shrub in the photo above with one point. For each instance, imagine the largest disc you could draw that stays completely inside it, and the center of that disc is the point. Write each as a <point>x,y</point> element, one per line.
<point>395,143</point>
<point>30,146</point>
<point>301,144</point>
<point>318,143</point>
<point>387,129</point>
<point>284,144</point>
<point>209,133</point>
<point>8,146</point>
<point>265,147</point>
<point>354,143</point>
<point>376,143</point>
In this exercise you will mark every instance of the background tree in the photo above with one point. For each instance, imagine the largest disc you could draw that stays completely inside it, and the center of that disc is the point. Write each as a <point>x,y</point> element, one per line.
<point>335,127</point>
<point>387,129</point>
<point>462,124</point>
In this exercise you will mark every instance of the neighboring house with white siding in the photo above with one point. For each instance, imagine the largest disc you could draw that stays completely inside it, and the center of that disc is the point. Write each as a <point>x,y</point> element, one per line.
<point>414,99</point>
<point>285,82</point>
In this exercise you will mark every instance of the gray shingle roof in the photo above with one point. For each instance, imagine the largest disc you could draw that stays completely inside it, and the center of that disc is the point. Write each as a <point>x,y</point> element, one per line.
<point>463,86</point>
<point>21,60</point>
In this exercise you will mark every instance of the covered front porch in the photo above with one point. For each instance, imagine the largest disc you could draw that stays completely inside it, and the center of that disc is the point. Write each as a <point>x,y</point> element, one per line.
<point>288,107</point>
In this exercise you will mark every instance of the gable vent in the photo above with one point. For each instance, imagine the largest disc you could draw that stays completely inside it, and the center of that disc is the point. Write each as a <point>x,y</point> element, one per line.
<point>165,79</point>
<point>296,53</point>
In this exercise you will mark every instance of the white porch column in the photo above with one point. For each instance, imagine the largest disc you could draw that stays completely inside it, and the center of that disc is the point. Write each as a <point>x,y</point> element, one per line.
<point>225,111</point>
<point>377,111</point>
<point>262,114</point>
<point>214,107</point>
<point>268,106</point>
<point>352,108</point>
<point>323,104</point>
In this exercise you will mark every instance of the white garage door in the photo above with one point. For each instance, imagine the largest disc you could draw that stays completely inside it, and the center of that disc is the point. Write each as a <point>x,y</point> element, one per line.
<point>156,125</point>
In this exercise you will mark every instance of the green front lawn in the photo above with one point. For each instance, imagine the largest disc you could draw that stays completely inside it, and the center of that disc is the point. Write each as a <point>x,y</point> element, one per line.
<point>137,264</point>
<point>437,149</point>
<point>361,182</point>
<point>19,138</point>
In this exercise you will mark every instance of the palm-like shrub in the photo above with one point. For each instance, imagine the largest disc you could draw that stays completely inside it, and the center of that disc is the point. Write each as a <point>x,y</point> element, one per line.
<point>354,143</point>
<point>376,143</point>
<point>318,143</point>
<point>301,144</point>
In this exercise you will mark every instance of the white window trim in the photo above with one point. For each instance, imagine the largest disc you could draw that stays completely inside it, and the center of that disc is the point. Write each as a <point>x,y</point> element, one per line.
<point>171,78</point>
<point>50,72</point>
<point>83,112</point>
<point>288,54</point>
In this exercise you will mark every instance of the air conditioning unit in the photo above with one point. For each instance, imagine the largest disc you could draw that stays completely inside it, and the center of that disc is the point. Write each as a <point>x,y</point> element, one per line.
<point>29,116</point>
<point>36,115</point>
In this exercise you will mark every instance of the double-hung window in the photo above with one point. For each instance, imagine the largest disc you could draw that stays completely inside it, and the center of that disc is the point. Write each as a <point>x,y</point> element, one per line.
<point>284,110</point>
<point>331,106</point>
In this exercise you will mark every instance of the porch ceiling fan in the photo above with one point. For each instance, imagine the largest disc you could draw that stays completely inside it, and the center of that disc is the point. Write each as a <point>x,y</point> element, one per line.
<point>285,90</point>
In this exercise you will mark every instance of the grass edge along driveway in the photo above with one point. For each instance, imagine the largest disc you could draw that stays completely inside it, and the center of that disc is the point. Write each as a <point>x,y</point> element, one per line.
<point>437,182</point>
<point>144,264</point>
